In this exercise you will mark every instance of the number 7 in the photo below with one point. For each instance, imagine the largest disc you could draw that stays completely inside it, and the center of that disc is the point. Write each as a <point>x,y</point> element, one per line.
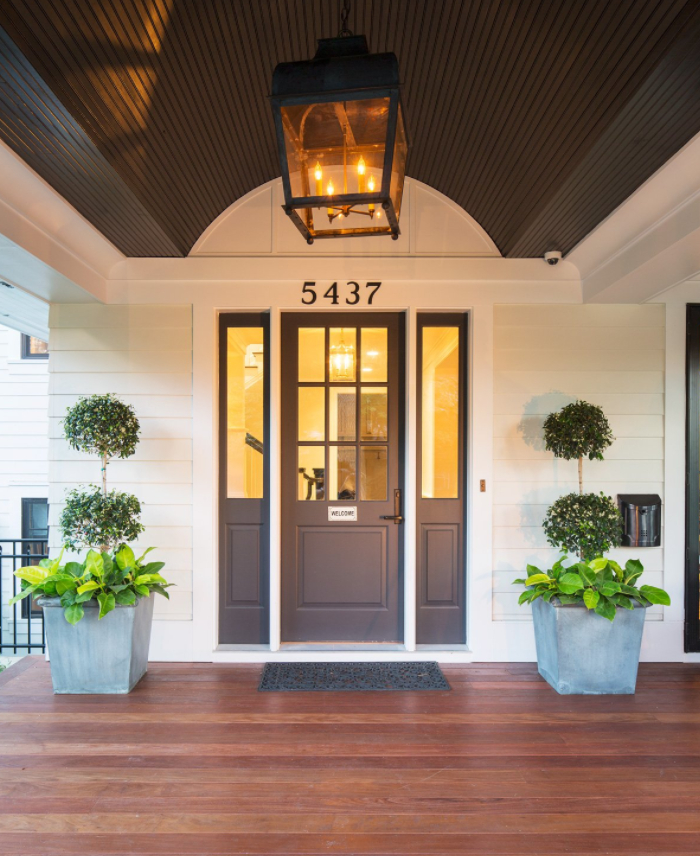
<point>375,286</point>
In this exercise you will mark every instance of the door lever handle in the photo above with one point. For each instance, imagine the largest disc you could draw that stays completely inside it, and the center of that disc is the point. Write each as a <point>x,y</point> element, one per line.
<point>396,516</point>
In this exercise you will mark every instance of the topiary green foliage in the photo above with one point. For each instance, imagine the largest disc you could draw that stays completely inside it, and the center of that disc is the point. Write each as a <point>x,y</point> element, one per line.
<point>102,425</point>
<point>587,524</point>
<point>91,518</point>
<point>577,431</point>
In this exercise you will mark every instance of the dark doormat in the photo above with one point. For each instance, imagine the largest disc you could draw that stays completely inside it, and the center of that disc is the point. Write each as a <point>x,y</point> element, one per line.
<point>315,677</point>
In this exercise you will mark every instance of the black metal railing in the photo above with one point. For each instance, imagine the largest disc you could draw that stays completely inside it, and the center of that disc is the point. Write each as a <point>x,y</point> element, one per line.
<point>23,622</point>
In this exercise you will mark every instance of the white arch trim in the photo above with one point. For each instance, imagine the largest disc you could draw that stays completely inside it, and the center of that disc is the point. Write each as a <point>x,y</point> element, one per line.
<point>431,225</point>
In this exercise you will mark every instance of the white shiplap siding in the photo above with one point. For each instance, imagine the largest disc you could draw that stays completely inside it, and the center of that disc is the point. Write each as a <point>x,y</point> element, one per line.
<point>143,354</point>
<point>544,358</point>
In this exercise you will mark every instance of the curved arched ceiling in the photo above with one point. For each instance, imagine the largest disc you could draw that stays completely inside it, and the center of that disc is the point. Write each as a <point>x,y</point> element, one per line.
<point>538,118</point>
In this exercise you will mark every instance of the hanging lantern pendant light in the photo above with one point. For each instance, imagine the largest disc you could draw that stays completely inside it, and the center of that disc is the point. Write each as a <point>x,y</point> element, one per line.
<point>340,124</point>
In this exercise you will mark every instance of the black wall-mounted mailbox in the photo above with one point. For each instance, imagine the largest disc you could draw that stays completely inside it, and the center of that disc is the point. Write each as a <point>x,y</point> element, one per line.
<point>641,519</point>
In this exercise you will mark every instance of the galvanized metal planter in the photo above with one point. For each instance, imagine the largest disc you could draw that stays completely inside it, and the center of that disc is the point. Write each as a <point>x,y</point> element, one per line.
<point>105,656</point>
<point>580,652</point>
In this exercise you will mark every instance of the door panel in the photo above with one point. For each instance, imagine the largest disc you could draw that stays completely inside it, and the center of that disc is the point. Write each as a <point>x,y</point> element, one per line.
<point>243,479</point>
<point>342,450</point>
<point>440,612</point>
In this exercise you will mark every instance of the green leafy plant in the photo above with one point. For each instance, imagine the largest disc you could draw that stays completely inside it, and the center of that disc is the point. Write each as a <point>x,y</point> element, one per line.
<point>92,517</point>
<point>112,579</point>
<point>587,524</point>
<point>601,585</point>
<point>577,431</point>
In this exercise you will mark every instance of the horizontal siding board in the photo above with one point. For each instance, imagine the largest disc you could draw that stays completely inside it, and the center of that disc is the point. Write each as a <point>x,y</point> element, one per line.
<point>147,450</point>
<point>517,448</point>
<point>154,338</point>
<point>592,315</point>
<point>544,493</point>
<point>579,384</point>
<point>121,383</point>
<point>613,405</point>
<point>575,359</point>
<point>130,362</point>
<point>151,472</point>
<point>154,405</point>
<point>592,337</point>
<point>155,494</point>
<point>87,316</point>
<point>567,471</point>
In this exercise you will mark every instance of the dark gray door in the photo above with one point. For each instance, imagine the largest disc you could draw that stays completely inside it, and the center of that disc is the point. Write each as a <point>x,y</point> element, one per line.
<point>440,610</point>
<point>342,430</point>
<point>244,567</point>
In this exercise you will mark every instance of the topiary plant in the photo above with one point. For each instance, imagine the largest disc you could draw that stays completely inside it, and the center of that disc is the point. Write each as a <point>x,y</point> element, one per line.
<point>576,431</point>
<point>91,518</point>
<point>587,524</point>
<point>102,425</point>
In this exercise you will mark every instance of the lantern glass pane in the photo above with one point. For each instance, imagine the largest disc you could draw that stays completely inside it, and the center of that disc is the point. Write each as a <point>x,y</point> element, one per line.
<point>398,165</point>
<point>333,149</point>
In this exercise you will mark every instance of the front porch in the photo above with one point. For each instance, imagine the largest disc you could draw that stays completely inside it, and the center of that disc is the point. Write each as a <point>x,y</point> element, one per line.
<point>196,761</point>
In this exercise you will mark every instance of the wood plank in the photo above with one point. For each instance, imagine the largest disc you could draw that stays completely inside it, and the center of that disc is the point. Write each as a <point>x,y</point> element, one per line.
<point>196,761</point>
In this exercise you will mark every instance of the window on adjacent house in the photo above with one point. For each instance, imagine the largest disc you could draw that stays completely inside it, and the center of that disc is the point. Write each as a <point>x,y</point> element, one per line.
<point>33,348</point>
<point>35,527</point>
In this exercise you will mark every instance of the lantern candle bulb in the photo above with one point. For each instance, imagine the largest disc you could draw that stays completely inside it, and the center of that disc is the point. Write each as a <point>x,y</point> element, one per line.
<point>318,175</point>
<point>361,166</point>
<point>370,188</point>
<point>331,190</point>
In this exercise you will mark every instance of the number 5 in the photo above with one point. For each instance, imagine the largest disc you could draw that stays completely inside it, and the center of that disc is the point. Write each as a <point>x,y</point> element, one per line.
<point>309,290</point>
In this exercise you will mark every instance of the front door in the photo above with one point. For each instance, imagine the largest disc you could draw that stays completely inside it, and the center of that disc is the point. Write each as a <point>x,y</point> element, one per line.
<point>342,479</point>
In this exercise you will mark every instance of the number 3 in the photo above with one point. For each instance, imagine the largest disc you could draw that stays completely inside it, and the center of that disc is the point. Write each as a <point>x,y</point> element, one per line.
<point>355,293</point>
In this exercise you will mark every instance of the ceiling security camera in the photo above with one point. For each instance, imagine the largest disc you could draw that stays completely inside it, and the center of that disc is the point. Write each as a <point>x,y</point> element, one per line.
<point>553,257</point>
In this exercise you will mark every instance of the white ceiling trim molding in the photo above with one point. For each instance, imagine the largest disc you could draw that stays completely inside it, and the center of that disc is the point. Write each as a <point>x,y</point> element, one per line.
<point>37,219</point>
<point>431,225</point>
<point>651,242</point>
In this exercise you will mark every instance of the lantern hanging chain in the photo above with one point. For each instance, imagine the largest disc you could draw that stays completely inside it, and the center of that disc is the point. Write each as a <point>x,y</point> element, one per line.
<point>344,15</point>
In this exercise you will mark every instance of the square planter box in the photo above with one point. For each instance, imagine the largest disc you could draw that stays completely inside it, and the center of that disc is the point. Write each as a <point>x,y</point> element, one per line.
<point>98,656</point>
<point>580,652</point>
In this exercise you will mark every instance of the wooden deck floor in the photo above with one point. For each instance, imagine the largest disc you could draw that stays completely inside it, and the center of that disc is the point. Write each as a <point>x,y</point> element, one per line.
<point>195,761</point>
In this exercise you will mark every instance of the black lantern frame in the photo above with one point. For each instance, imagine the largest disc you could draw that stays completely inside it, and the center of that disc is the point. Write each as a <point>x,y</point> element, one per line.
<point>342,72</point>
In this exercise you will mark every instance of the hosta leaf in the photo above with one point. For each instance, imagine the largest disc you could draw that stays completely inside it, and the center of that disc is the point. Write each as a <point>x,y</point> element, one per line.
<point>24,593</point>
<point>591,598</point>
<point>531,570</point>
<point>633,569</point>
<point>33,575</point>
<point>598,564</point>
<point>86,596</point>
<point>624,602</point>
<point>155,567</point>
<point>90,585</point>
<point>94,564</point>
<point>74,613</point>
<point>524,597</point>
<point>125,557</point>
<point>534,579</point>
<point>609,588</point>
<point>606,609</point>
<point>75,569</point>
<point>142,590</point>
<point>126,597</point>
<point>106,602</point>
<point>587,574</point>
<point>655,595</point>
<point>161,590</point>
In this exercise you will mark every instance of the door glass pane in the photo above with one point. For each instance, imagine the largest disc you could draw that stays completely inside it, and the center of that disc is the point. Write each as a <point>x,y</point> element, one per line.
<point>312,346</point>
<point>373,472</point>
<point>245,430</point>
<point>342,413</point>
<point>312,413</point>
<point>373,421</point>
<point>342,357</point>
<point>312,472</point>
<point>373,354</point>
<point>342,472</point>
<point>440,413</point>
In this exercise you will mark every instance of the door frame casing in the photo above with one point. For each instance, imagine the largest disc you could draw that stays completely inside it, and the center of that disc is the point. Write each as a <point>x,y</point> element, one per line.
<point>692,483</point>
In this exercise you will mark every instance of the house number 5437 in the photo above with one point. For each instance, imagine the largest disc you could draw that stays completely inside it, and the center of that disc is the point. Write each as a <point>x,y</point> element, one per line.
<point>350,292</point>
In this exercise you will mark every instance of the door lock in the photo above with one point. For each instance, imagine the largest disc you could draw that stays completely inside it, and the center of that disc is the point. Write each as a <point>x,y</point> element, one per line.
<point>396,516</point>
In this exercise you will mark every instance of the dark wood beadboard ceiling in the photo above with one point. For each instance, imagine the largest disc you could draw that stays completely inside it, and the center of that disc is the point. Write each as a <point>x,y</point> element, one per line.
<point>538,117</point>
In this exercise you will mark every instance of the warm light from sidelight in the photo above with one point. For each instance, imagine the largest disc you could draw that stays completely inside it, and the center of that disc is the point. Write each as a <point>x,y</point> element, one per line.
<point>342,361</point>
